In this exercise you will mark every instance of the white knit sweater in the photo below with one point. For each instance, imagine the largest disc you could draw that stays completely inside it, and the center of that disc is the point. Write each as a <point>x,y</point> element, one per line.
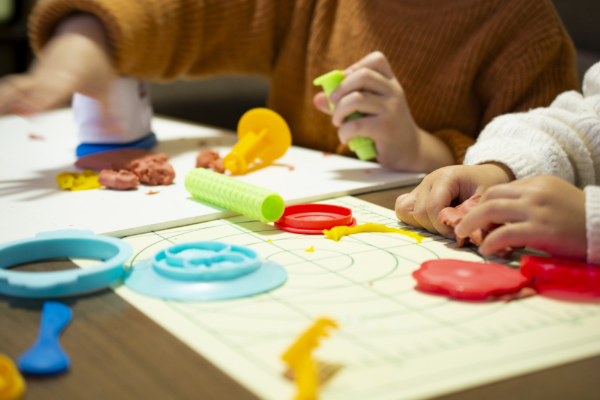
<point>561,140</point>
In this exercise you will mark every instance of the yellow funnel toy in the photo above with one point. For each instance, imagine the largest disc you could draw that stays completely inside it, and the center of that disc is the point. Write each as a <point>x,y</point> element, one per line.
<point>264,135</point>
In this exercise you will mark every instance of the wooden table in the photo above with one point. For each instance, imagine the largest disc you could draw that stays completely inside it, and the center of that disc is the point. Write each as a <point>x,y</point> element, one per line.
<point>119,353</point>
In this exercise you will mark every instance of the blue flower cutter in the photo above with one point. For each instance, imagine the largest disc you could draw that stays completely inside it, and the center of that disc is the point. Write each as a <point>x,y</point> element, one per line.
<point>204,271</point>
<point>63,243</point>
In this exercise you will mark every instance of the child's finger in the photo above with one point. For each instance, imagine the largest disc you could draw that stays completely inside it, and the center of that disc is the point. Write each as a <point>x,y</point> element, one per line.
<point>504,191</point>
<point>363,79</point>
<point>320,101</point>
<point>363,102</point>
<point>441,195</point>
<point>376,61</point>
<point>364,126</point>
<point>498,211</point>
<point>511,235</point>
<point>404,208</point>
<point>420,210</point>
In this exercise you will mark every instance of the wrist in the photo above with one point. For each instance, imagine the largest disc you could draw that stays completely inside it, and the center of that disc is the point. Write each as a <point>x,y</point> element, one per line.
<point>84,24</point>
<point>432,153</point>
<point>502,172</point>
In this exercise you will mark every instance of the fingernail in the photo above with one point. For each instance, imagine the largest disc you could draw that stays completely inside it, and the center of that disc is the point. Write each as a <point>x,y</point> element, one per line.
<point>333,97</point>
<point>348,72</point>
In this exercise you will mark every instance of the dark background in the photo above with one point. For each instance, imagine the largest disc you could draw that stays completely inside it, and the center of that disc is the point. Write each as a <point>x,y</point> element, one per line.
<point>221,101</point>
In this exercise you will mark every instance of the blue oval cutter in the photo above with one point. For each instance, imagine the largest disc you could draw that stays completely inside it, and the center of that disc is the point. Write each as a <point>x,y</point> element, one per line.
<point>204,271</point>
<point>58,244</point>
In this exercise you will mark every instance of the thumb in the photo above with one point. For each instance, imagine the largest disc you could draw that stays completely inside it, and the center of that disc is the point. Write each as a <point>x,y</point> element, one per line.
<point>320,101</point>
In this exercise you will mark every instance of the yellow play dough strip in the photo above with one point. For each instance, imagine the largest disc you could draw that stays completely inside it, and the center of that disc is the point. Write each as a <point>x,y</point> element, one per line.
<point>338,232</point>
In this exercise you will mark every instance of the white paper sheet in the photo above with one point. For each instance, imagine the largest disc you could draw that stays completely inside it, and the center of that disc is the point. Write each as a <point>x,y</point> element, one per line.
<point>31,201</point>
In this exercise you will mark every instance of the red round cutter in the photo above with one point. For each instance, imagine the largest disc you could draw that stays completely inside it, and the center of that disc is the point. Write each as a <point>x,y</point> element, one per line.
<point>312,219</point>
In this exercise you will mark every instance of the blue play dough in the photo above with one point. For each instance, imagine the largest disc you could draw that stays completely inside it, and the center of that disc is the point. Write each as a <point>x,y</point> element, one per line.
<point>63,243</point>
<point>204,271</point>
<point>46,356</point>
<point>145,143</point>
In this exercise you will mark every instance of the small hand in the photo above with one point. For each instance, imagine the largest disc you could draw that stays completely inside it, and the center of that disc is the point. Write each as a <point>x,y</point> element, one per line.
<point>76,59</point>
<point>420,208</point>
<point>545,213</point>
<point>371,88</point>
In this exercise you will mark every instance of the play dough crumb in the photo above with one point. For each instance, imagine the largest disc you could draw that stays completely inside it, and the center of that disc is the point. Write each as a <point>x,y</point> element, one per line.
<point>338,232</point>
<point>36,137</point>
<point>270,241</point>
<point>150,192</point>
<point>311,250</point>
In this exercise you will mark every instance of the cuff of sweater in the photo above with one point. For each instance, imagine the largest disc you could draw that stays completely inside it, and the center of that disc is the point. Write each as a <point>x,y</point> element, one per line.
<point>521,160</point>
<point>592,218</point>
<point>458,142</point>
<point>48,14</point>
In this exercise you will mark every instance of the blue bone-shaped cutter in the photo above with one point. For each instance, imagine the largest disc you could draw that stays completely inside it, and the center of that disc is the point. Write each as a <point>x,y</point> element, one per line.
<point>204,271</point>
<point>46,356</point>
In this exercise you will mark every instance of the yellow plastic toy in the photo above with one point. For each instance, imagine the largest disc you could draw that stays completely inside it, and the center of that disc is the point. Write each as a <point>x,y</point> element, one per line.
<point>12,384</point>
<point>299,359</point>
<point>87,180</point>
<point>338,232</point>
<point>264,135</point>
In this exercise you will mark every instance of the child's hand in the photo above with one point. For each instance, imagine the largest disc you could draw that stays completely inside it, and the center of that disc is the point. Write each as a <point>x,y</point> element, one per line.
<point>545,212</point>
<point>420,208</point>
<point>371,88</point>
<point>76,59</point>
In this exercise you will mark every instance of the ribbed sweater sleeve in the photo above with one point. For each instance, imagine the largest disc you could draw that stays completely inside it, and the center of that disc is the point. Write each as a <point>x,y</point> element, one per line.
<point>162,40</point>
<point>460,63</point>
<point>561,140</point>
<point>532,63</point>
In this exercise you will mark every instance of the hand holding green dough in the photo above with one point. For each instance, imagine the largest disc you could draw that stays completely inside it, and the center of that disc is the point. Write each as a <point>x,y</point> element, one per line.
<point>363,147</point>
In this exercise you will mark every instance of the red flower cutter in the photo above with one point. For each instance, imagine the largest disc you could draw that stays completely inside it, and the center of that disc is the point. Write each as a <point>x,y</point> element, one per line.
<point>562,279</point>
<point>312,219</point>
<point>466,280</point>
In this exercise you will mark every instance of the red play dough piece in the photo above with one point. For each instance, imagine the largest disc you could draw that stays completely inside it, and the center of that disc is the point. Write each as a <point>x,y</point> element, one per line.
<point>153,170</point>
<point>451,216</point>
<point>563,279</point>
<point>121,180</point>
<point>466,280</point>
<point>210,159</point>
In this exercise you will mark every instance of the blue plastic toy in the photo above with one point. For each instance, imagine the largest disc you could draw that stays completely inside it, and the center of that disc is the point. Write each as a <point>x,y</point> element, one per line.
<point>204,271</point>
<point>56,244</point>
<point>46,356</point>
<point>145,143</point>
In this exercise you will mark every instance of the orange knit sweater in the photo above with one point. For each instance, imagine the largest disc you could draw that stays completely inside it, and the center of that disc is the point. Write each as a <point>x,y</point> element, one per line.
<point>460,62</point>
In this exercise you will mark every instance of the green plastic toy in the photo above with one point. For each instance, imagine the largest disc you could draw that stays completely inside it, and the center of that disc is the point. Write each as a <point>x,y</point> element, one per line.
<point>245,198</point>
<point>363,147</point>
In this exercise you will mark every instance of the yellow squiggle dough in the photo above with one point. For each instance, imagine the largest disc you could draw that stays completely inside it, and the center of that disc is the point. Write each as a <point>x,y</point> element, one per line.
<point>87,180</point>
<point>338,232</point>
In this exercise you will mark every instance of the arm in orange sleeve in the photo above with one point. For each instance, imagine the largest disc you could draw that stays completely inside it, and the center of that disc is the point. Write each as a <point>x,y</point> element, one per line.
<point>164,40</point>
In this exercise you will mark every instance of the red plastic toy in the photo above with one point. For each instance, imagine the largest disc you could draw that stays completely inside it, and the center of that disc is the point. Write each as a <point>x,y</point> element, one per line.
<point>561,278</point>
<point>312,219</point>
<point>466,280</point>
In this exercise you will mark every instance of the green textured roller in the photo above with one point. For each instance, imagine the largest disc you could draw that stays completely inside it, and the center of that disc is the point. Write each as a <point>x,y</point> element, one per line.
<point>363,147</point>
<point>224,191</point>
